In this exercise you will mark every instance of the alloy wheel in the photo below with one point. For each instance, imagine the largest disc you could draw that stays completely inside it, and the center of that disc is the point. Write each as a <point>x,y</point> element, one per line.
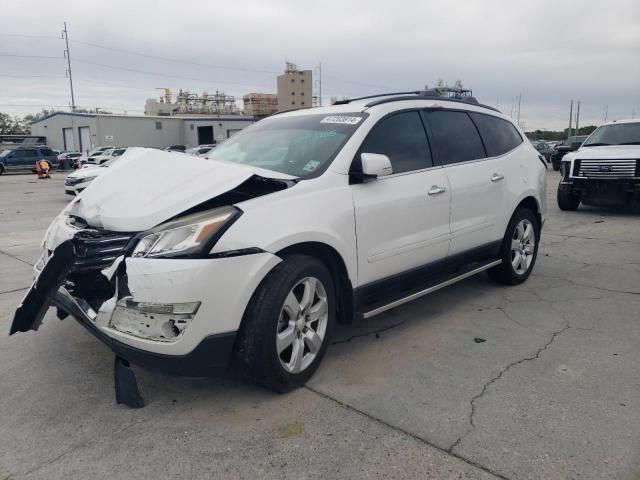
<point>523,246</point>
<point>302,325</point>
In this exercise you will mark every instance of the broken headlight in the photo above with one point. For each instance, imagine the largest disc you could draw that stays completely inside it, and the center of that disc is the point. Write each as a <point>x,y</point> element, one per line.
<point>190,236</point>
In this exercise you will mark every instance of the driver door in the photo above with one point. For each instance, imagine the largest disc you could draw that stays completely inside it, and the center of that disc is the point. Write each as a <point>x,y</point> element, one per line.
<point>402,219</point>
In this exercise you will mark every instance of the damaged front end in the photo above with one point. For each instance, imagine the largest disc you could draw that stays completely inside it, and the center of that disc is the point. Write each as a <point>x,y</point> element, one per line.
<point>72,279</point>
<point>140,291</point>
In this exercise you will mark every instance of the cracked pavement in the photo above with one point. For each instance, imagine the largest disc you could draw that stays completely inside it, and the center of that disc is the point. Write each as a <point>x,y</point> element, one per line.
<point>553,393</point>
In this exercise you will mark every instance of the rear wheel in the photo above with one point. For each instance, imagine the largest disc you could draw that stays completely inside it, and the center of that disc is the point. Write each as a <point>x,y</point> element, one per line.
<point>288,324</point>
<point>1,169</point>
<point>568,199</point>
<point>519,249</point>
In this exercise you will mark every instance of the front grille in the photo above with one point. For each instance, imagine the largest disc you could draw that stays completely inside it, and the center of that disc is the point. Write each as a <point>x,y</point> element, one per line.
<point>607,168</point>
<point>98,249</point>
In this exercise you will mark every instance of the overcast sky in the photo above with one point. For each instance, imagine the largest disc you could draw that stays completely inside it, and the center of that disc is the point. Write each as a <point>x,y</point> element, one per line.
<point>550,51</point>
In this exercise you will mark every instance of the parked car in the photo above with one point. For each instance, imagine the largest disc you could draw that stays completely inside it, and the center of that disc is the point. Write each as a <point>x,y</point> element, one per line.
<point>96,152</point>
<point>69,159</point>
<point>105,156</point>
<point>303,219</point>
<point>560,150</point>
<point>175,148</point>
<point>605,170</point>
<point>544,149</point>
<point>25,158</point>
<point>77,181</point>
<point>200,151</point>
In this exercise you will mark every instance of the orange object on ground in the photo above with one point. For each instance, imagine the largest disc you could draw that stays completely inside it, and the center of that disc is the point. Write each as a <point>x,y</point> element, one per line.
<point>42,168</point>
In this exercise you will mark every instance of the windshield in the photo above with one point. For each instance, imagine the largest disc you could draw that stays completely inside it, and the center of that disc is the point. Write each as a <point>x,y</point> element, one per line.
<point>620,134</point>
<point>4,153</point>
<point>302,146</point>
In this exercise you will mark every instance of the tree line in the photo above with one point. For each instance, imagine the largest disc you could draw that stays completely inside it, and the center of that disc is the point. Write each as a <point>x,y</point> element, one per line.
<point>550,135</point>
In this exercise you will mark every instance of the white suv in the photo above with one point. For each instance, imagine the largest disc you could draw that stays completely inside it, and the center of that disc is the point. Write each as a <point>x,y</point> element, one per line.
<point>301,220</point>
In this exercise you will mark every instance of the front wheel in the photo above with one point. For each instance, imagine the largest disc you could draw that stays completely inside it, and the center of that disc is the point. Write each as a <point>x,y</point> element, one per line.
<point>519,249</point>
<point>288,324</point>
<point>567,198</point>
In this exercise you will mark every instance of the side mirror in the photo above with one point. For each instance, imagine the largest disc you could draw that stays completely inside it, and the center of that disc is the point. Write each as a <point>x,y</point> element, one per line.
<point>375,165</point>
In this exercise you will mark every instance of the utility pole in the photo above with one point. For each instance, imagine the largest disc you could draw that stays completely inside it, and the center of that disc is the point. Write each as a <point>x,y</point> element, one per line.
<point>68,57</point>
<point>606,113</point>
<point>578,119</point>
<point>570,119</point>
<point>519,102</point>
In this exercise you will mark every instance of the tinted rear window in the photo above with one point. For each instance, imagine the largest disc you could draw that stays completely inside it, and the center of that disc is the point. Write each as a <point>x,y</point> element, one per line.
<point>456,136</point>
<point>499,135</point>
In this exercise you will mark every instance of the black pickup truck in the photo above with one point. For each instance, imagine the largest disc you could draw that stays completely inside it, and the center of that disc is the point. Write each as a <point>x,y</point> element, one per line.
<point>571,144</point>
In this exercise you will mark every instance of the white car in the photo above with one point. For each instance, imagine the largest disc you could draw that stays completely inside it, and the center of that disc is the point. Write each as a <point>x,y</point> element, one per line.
<point>96,152</point>
<point>105,156</point>
<point>299,221</point>
<point>77,181</point>
<point>200,151</point>
<point>605,170</point>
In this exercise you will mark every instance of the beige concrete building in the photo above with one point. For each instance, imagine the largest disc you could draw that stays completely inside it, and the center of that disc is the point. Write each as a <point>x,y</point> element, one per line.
<point>295,88</point>
<point>260,105</point>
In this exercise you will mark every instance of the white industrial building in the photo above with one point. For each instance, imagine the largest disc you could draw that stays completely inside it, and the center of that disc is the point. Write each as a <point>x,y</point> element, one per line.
<point>85,131</point>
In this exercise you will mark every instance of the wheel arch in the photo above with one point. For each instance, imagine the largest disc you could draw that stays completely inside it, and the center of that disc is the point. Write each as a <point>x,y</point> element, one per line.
<point>530,202</point>
<point>338,269</point>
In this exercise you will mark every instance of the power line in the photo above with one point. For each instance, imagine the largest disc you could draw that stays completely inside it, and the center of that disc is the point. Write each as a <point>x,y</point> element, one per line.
<point>27,56</point>
<point>28,36</point>
<point>31,76</point>
<point>169,59</point>
<point>156,74</point>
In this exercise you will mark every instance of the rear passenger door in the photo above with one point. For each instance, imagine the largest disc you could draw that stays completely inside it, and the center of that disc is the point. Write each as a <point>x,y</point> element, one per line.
<point>476,181</point>
<point>402,220</point>
<point>502,141</point>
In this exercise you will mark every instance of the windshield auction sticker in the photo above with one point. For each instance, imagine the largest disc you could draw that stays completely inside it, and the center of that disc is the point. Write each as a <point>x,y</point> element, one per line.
<point>343,119</point>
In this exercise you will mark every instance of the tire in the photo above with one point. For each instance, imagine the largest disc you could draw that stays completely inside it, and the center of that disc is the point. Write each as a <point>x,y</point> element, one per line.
<point>1,169</point>
<point>508,273</point>
<point>263,352</point>
<point>556,165</point>
<point>568,199</point>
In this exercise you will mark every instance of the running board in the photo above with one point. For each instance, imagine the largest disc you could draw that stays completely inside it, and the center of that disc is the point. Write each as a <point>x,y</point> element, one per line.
<point>431,289</point>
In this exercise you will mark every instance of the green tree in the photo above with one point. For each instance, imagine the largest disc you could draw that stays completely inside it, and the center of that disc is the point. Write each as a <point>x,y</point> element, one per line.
<point>12,125</point>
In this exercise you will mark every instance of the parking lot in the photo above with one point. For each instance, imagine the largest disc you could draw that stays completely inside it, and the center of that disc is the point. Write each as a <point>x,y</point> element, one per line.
<point>553,392</point>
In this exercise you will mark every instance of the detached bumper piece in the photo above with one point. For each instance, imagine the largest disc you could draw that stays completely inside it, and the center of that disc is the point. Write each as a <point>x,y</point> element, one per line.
<point>127,391</point>
<point>35,304</point>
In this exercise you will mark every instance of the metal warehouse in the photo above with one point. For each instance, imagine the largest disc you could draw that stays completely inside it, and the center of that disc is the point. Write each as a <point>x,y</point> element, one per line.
<point>85,131</point>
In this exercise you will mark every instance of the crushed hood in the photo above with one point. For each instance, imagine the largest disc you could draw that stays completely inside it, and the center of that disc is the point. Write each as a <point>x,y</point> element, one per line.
<point>148,186</point>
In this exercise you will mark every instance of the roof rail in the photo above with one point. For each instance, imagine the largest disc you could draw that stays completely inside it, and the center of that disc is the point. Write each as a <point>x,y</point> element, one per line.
<point>432,94</point>
<point>349,100</point>
<point>465,100</point>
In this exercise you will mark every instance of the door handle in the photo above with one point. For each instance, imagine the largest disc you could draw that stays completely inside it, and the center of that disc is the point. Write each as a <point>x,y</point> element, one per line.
<point>496,177</point>
<point>435,190</point>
